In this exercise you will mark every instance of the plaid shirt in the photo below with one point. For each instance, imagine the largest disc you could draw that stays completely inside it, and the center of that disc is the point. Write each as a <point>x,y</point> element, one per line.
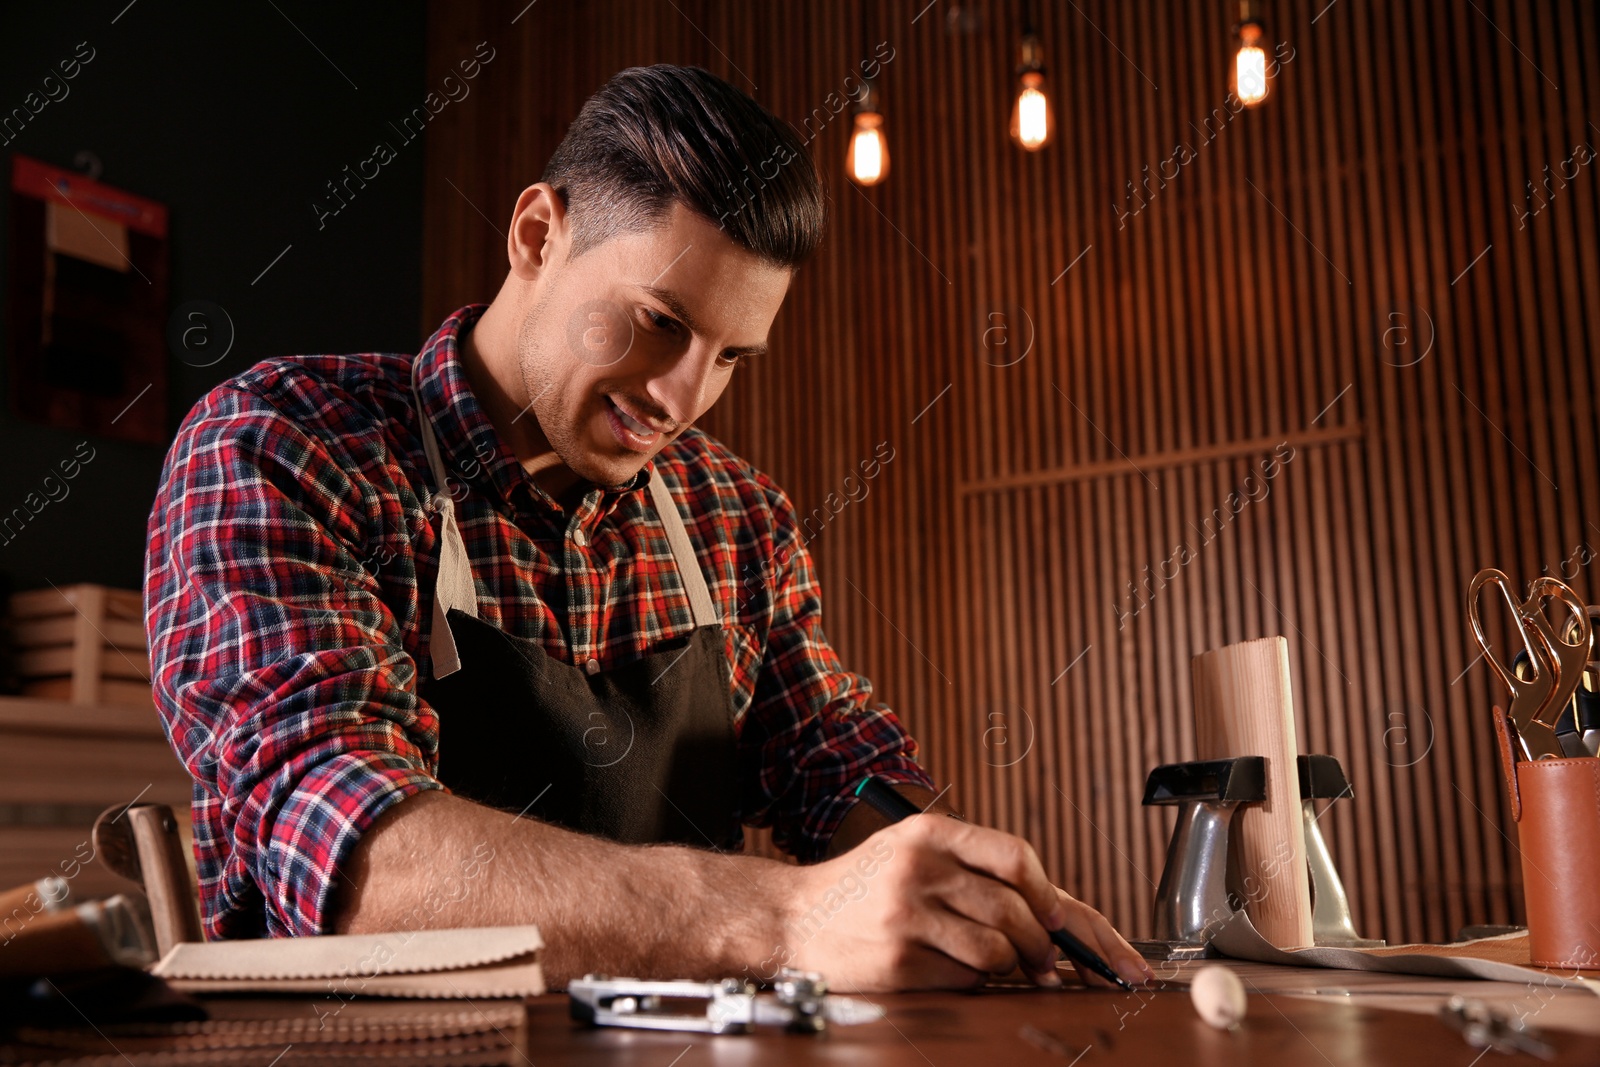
<point>289,578</point>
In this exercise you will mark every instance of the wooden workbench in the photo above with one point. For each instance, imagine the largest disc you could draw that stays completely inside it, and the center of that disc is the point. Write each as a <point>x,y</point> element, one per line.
<point>1383,1019</point>
<point>1355,1018</point>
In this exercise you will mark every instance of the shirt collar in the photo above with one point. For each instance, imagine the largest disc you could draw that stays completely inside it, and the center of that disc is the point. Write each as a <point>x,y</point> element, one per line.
<point>470,447</point>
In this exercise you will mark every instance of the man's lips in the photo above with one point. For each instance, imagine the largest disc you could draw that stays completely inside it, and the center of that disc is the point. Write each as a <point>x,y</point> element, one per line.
<point>630,429</point>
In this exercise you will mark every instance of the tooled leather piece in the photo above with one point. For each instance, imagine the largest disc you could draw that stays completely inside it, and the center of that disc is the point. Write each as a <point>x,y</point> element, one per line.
<point>1508,761</point>
<point>335,955</point>
<point>1560,839</point>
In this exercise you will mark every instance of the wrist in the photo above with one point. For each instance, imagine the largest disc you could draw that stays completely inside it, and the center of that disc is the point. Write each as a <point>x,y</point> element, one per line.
<point>751,939</point>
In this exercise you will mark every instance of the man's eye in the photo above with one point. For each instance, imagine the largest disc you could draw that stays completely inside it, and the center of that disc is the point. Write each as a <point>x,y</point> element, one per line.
<point>660,321</point>
<point>732,359</point>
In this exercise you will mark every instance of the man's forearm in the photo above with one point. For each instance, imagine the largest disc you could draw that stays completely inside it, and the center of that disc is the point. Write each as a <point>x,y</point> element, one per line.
<point>436,860</point>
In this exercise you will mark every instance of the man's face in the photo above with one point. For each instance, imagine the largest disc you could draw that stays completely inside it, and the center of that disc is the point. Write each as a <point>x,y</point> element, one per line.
<point>634,340</point>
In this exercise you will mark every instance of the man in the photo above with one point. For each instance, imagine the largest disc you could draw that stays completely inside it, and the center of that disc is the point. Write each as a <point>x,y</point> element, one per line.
<point>494,635</point>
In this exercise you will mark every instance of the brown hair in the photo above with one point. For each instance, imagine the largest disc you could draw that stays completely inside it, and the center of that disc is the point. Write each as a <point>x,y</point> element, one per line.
<point>659,135</point>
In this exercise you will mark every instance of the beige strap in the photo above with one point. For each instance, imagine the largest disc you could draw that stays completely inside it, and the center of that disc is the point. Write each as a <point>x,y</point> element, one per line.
<point>454,587</point>
<point>694,579</point>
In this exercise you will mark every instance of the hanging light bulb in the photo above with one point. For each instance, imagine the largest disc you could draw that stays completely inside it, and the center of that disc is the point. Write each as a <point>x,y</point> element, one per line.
<point>1250,81</point>
<point>867,162</point>
<point>1031,122</point>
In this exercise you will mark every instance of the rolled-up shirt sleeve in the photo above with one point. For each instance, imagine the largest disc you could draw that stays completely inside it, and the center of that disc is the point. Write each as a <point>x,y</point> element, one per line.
<point>813,729</point>
<point>278,671</point>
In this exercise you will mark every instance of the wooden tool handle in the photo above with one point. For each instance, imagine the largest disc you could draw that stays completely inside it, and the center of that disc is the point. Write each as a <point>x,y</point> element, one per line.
<point>173,910</point>
<point>1243,706</point>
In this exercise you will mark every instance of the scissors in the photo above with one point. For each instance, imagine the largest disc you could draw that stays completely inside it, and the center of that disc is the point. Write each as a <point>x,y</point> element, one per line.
<point>1556,655</point>
<point>1586,706</point>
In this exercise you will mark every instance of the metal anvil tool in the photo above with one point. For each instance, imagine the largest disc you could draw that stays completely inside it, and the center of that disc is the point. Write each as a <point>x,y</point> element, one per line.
<point>1195,896</point>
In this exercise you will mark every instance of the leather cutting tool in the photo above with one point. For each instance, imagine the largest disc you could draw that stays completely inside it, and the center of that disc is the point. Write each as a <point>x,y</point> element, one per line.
<point>1557,654</point>
<point>1586,704</point>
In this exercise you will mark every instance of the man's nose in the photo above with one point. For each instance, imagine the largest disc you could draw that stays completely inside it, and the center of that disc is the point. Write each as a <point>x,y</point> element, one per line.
<point>681,389</point>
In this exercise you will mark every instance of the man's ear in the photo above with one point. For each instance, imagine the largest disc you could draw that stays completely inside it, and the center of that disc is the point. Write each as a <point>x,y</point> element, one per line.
<point>539,235</point>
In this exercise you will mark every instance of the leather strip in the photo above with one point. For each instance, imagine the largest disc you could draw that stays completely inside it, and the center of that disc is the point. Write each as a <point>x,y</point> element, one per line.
<point>454,587</point>
<point>693,578</point>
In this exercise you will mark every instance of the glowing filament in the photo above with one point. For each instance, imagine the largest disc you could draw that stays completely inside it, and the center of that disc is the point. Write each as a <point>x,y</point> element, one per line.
<point>868,159</point>
<point>1250,74</point>
<point>1030,119</point>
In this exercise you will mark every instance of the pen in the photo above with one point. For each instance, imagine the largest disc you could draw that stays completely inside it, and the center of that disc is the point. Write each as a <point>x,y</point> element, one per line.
<point>894,807</point>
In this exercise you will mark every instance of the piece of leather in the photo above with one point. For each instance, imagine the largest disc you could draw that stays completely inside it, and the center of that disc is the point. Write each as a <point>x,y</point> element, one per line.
<point>1559,835</point>
<point>293,1032</point>
<point>1495,959</point>
<point>473,961</point>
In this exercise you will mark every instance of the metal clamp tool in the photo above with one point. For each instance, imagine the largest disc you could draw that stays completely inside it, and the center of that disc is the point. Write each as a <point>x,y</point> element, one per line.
<point>1195,897</point>
<point>1321,778</point>
<point>800,1003</point>
<point>1192,899</point>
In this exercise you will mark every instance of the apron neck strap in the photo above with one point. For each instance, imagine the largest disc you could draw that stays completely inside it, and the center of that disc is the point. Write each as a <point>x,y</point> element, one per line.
<point>455,588</point>
<point>429,443</point>
<point>689,571</point>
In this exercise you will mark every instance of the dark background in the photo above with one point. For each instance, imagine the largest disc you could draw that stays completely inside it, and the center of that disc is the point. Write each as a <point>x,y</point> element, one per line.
<point>231,117</point>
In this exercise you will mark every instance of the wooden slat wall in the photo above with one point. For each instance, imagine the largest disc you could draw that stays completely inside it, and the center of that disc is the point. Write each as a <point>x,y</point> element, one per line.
<point>1260,296</point>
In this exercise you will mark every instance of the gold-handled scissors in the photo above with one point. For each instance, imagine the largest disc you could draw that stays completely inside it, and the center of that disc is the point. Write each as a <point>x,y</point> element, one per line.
<point>1557,654</point>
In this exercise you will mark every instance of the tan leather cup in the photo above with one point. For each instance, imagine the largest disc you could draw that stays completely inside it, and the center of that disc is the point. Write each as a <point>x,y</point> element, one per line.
<point>1556,803</point>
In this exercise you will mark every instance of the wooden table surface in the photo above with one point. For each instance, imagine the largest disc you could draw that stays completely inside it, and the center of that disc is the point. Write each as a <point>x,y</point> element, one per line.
<point>1383,1019</point>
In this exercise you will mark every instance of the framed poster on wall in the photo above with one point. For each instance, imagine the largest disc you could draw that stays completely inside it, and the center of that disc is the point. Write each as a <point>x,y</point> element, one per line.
<point>88,304</point>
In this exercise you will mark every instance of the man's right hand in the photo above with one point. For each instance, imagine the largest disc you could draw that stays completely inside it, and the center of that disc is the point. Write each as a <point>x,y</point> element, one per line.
<point>936,903</point>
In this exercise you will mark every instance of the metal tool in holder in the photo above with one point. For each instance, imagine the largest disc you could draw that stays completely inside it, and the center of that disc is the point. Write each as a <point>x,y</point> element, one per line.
<point>1195,898</point>
<point>800,1002</point>
<point>1322,778</point>
<point>1192,899</point>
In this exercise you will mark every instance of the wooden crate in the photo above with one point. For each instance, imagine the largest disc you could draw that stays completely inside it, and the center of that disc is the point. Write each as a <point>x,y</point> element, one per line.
<point>81,643</point>
<point>60,766</point>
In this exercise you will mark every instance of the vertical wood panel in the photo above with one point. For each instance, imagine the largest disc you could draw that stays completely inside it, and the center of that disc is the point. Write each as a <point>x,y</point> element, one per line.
<point>1259,292</point>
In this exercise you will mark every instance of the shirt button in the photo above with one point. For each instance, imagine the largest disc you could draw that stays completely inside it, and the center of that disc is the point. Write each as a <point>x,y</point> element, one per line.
<point>580,538</point>
<point>593,666</point>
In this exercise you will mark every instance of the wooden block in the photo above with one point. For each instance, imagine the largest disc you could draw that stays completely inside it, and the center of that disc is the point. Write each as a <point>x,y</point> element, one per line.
<point>92,635</point>
<point>27,715</point>
<point>60,659</point>
<point>1243,706</point>
<point>96,600</point>
<point>32,851</point>
<point>87,652</point>
<point>71,599</point>
<point>44,631</point>
<point>82,769</point>
<point>125,604</point>
<point>115,694</point>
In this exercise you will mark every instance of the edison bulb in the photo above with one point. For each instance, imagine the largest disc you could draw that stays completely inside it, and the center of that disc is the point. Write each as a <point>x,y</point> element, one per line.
<point>868,159</point>
<point>1250,66</point>
<point>1030,119</point>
